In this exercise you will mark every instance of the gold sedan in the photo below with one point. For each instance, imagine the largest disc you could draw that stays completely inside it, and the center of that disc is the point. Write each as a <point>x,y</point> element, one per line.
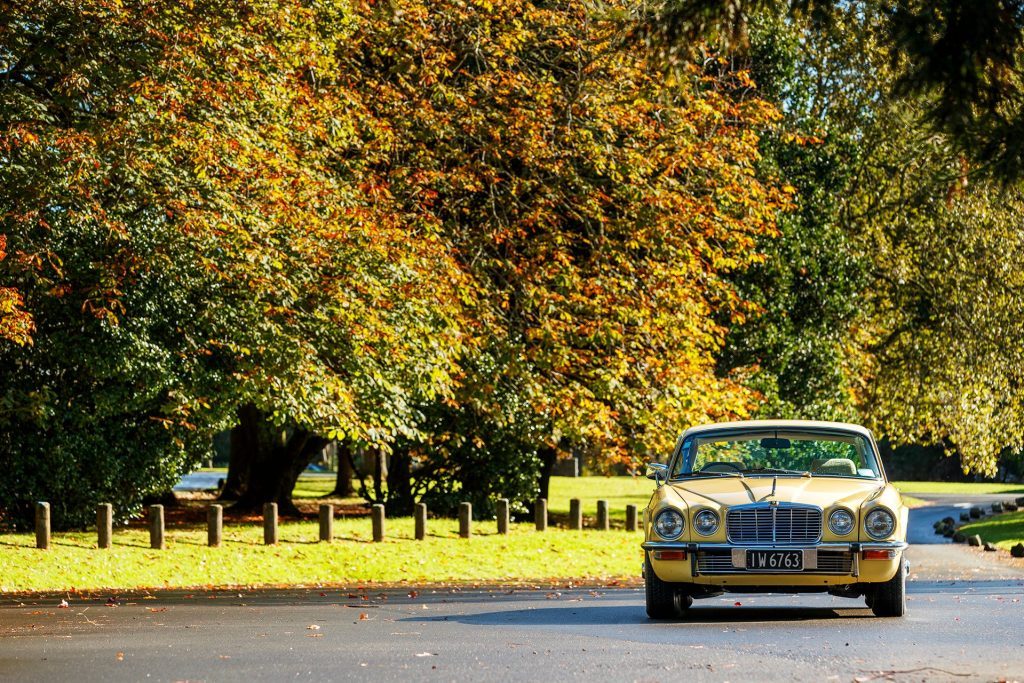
<point>774,506</point>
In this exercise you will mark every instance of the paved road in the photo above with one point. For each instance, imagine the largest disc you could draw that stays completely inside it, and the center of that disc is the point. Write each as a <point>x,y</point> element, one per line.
<point>966,623</point>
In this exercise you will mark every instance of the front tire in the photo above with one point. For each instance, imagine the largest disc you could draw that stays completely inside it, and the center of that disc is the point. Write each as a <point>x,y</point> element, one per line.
<point>664,600</point>
<point>889,599</point>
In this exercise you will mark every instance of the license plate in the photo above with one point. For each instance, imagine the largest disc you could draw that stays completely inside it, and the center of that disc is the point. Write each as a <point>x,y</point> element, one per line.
<point>775,560</point>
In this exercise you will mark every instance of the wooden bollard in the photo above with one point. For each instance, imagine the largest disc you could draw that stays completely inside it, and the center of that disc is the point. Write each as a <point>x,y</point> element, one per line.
<point>42,525</point>
<point>377,513</point>
<point>503,515</point>
<point>104,525</point>
<point>540,514</point>
<point>575,514</point>
<point>421,521</point>
<point>156,527</point>
<point>603,522</point>
<point>465,520</point>
<point>214,525</point>
<point>326,522</point>
<point>270,523</point>
<point>631,520</point>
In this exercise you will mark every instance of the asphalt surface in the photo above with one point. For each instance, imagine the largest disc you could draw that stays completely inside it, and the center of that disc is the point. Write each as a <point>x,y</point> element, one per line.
<point>965,623</point>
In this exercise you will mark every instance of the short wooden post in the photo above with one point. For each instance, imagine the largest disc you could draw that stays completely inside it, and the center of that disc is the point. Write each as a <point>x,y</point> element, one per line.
<point>540,514</point>
<point>104,524</point>
<point>465,520</point>
<point>602,515</point>
<point>575,514</point>
<point>631,518</point>
<point>156,527</point>
<point>326,522</point>
<point>503,515</point>
<point>214,525</point>
<point>378,523</point>
<point>270,523</point>
<point>42,525</point>
<point>421,521</point>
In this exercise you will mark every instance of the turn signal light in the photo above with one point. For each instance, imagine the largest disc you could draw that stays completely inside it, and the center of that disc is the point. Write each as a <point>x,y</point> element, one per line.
<point>670,554</point>
<point>879,554</point>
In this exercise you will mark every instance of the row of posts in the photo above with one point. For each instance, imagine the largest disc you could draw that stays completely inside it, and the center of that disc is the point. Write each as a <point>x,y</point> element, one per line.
<point>215,521</point>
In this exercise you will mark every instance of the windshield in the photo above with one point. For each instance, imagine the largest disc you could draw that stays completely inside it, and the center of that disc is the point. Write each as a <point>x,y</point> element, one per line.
<point>777,452</point>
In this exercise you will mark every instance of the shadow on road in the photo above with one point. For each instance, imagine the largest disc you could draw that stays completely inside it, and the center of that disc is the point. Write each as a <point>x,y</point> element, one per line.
<point>610,615</point>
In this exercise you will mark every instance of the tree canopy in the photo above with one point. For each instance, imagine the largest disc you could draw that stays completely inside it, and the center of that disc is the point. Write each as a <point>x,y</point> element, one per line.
<point>472,236</point>
<point>961,58</point>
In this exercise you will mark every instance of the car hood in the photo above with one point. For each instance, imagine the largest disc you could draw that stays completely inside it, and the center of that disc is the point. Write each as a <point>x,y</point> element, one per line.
<point>824,492</point>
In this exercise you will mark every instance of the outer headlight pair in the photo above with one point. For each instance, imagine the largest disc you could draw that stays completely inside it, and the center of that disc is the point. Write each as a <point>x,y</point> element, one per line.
<point>669,524</point>
<point>879,523</point>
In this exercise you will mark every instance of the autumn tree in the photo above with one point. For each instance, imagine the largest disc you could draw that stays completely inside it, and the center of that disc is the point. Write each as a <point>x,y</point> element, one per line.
<point>596,208</point>
<point>193,234</point>
<point>15,322</point>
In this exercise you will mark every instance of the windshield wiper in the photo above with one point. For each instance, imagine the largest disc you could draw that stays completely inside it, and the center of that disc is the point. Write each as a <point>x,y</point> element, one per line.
<point>777,470</point>
<point>714,474</point>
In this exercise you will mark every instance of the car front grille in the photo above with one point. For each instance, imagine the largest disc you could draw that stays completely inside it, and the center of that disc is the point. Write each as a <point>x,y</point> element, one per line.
<point>719,561</point>
<point>782,524</point>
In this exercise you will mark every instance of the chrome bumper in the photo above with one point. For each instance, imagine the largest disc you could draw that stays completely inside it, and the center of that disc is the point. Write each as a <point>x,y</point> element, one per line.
<point>810,553</point>
<point>849,547</point>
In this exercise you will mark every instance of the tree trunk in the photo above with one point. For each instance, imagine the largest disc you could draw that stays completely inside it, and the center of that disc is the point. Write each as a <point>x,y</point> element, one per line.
<point>400,501</point>
<point>380,473</point>
<point>240,459</point>
<point>276,457</point>
<point>343,484</point>
<point>548,455</point>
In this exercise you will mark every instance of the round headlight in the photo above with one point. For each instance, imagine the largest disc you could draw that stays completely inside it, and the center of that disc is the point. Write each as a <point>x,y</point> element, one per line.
<point>840,522</point>
<point>705,522</point>
<point>879,523</point>
<point>669,524</point>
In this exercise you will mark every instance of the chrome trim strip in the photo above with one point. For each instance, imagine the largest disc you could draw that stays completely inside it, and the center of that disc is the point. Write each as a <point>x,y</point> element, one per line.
<point>677,545</point>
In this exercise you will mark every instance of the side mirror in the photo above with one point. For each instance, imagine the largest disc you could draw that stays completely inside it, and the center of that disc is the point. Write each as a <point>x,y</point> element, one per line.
<point>657,471</point>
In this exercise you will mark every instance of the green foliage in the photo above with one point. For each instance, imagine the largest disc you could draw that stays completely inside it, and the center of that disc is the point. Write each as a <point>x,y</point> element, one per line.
<point>958,61</point>
<point>190,232</point>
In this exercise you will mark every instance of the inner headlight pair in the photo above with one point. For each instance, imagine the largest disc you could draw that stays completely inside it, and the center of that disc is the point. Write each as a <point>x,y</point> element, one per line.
<point>669,524</point>
<point>878,524</point>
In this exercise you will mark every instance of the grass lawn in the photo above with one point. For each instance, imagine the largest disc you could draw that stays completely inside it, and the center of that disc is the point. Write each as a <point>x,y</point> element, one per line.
<point>955,487</point>
<point>618,491</point>
<point>525,556</point>
<point>1005,531</point>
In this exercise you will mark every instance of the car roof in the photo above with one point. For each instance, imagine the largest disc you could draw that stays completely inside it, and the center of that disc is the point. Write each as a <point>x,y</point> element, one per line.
<point>788,425</point>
